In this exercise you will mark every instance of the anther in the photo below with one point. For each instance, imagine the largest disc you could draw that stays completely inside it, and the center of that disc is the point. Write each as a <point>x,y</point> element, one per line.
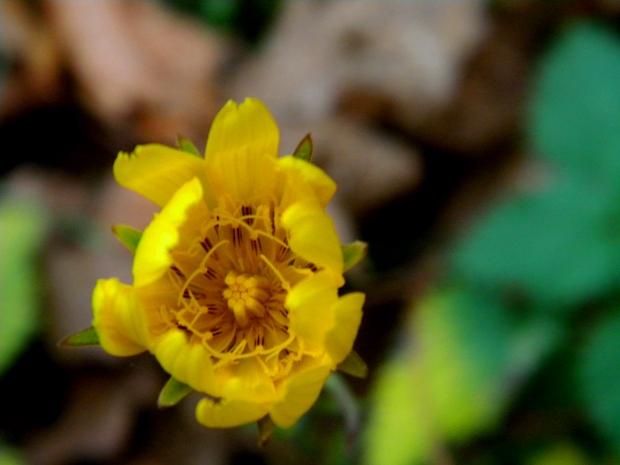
<point>246,296</point>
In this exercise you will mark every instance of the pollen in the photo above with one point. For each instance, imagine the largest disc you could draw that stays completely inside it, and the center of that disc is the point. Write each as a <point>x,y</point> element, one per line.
<point>246,296</point>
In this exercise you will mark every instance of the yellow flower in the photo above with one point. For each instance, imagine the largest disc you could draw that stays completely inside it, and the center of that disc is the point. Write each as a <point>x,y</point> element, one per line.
<point>235,281</point>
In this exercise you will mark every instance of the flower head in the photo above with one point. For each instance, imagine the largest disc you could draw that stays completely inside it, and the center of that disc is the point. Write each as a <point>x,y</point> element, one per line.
<point>235,281</point>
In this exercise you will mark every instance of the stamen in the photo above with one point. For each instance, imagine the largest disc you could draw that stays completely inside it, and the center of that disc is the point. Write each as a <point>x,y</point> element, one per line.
<point>283,251</point>
<point>200,269</point>
<point>206,244</point>
<point>247,212</point>
<point>210,274</point>
<point>217,225</point>
<point>178,272</point>
<point>236,236</point>
<point>272,220</point>
<point>253,232</point>
<point>284,282</point>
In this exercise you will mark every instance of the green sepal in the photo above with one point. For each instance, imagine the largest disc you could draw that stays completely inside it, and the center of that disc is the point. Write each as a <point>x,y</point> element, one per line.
<point>266,428</point>
<point>353,254</point>
<point>172,393</point>
<point>304,149</point>
<point>129,237</point>
<point>187,146</point>
<point>87,337</point>
<point>354,365</point>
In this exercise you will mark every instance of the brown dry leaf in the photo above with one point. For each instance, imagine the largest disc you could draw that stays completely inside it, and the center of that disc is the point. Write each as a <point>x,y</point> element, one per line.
<point>369,166</point>
<point>35,79</point>
<point>98,419</point>
<point>411,54</point>
<point>486,114</point>
<point>136,62</point>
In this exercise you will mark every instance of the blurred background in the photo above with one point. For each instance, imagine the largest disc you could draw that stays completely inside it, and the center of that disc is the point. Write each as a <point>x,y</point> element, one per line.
<point>476,145</point>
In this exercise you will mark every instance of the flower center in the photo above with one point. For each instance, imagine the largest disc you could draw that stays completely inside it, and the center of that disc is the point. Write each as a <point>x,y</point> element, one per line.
<point>232,280</point>
<point>246,296</point>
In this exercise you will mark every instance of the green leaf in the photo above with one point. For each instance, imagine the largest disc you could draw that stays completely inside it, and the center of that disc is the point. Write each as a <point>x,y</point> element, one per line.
<point>558,247</point>
<point>187,146</point>
<point>129,237</point>
<point>599,378</point>
<point>86,337</point>
<point>172,393</point>
<point>448,385</point>
<point>266,428</point>
<point>220,13</point>
<point>466,338</point>
<point>397,432</point>
<point>354,365</point>
<point>10,456</point>
<point>561,453</point>
<point>304,149</point>
<point>353,254</point>
<point>576,104</point>
<point>23,231</point>
<point>533,342</point>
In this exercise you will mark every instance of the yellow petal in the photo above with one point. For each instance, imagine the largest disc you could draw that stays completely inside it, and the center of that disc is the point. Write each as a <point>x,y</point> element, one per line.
<point>246,381</point>
<point>188,362</point>
<point>245,394</point>
<point>348,315</point>
<point>153,258</point>
<point>156,171</point>
<point>300,390</point>
<point>227,413</point>
<point>119,318</point>
<point>241,151</point>
<point>312,235</point>
<point>321,184</point>
<point>310,304</point>
<point>239,126</point>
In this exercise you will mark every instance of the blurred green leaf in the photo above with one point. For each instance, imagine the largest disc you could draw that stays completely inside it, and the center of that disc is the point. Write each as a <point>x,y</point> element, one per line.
<point>467,360</point>
<point>398,432</point>
<point>23,225</point>
<point>220,13</point>
<point>463,339</point>
<point>247,19</point>
<point>532,344</point>
<point>449,387</point>
<point>575,112</point>
<point>560,246</point>
<point>9,456</point>
<point>560,454</point>
<point>599,378</point>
